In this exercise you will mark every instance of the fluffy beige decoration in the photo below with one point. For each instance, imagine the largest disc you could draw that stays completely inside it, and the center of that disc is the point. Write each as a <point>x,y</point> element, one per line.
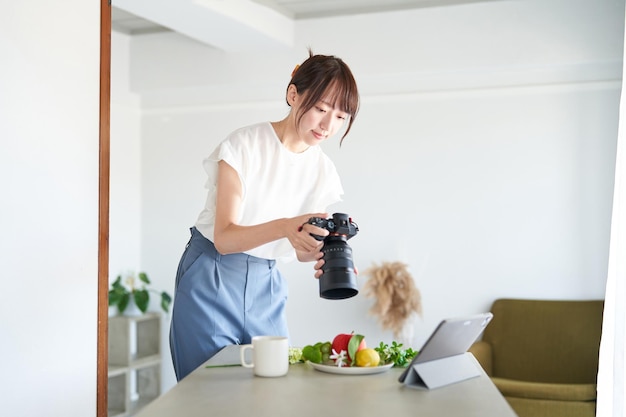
<point>397,298</point>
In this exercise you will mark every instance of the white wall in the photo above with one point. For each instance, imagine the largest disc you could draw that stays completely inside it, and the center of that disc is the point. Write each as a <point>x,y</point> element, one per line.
<point>482,157</point>
<point>49,125</point>
<point>125,189</point>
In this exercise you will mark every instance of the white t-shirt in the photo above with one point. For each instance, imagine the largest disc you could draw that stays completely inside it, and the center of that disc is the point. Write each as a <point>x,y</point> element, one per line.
<point>276,183</point>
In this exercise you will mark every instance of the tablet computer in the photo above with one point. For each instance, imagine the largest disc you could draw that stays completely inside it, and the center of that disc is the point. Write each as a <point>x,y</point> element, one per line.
<point>450,338</point>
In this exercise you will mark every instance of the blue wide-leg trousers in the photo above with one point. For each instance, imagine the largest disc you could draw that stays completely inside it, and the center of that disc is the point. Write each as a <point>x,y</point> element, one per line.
<point>222,300</point>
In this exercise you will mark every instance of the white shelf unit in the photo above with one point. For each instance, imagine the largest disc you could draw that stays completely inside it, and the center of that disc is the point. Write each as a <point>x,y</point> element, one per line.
<point>134,363</point>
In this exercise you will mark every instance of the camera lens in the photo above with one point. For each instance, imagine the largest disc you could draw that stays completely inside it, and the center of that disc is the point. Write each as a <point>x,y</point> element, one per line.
<point>338,280</point>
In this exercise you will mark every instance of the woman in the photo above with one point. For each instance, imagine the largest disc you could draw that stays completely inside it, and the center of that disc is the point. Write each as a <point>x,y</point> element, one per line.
<point>265,182</point>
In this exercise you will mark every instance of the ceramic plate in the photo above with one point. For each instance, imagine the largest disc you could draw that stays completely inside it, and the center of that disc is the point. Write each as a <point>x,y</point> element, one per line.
<point>351,370</point>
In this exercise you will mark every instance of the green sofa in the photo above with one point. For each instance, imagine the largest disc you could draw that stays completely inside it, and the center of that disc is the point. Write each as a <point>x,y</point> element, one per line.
<point>543,355</point>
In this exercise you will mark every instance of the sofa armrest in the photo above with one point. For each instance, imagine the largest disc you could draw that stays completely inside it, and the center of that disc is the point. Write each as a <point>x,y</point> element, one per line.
<point>545,391</point>
<point>483,353</point>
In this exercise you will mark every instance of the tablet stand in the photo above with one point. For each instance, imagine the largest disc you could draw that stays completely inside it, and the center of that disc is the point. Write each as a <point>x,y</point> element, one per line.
<point>440,372</point>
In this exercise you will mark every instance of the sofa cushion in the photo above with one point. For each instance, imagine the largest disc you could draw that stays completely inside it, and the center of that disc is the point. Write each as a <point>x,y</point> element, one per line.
<point>524,407</point>
<point>545,391</point>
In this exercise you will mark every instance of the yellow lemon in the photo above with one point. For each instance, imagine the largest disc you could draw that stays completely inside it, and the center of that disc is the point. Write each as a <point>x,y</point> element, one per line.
<point>367,357</point>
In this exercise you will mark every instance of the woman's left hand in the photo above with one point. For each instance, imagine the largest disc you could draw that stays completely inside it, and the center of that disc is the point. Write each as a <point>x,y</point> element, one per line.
<point>318,265</point>
<point>320,262</point>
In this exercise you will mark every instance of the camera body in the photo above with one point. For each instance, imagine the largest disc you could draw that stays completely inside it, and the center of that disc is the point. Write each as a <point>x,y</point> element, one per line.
<point>338,280</point>
<point>339,224</point>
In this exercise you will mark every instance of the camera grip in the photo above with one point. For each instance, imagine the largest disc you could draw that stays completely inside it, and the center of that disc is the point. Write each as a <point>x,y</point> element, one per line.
<point>318,222</point>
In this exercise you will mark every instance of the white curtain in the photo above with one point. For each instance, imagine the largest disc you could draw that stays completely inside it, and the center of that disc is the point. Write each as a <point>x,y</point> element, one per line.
<point>612,371</point>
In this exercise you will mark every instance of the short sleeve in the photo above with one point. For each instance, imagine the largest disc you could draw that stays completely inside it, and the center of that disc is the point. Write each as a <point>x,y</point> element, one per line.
<point>224,152</point>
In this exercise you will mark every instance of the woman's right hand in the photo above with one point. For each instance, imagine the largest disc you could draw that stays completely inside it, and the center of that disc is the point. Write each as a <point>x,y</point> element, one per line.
<point>299,233</point>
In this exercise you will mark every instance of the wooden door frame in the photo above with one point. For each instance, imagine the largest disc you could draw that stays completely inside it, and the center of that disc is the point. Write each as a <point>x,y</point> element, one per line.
<point>103,210</point>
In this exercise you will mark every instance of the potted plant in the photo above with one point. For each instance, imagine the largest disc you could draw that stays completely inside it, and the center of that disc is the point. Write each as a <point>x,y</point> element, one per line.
<point>134,290</point>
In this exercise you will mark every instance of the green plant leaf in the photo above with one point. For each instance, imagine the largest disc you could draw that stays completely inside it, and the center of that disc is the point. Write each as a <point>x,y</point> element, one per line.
<point>144,278</point>
<point>123,302</point>
<point>142,298</point>
<point>115,296</point>
<point>165,301</point>
<point>395,354</point>
<point>353,346</point>
<point>117,283</point>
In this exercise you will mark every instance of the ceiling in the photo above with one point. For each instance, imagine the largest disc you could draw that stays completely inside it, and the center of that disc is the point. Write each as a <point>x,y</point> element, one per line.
<point>232,24</point>
<point>125,22</point>
<point>307,9</point>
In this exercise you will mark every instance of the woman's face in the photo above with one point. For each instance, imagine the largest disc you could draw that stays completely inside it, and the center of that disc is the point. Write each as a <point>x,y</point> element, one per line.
<point>320,122</point>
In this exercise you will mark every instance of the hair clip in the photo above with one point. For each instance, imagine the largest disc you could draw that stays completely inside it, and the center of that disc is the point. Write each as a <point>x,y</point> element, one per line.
<point>294,70</point>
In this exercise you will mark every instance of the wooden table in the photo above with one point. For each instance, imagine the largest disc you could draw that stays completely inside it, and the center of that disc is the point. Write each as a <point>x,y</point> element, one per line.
<point>306,392</point>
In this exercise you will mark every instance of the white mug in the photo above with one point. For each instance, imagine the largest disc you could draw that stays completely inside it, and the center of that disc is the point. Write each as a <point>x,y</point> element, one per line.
<point>270,355</point>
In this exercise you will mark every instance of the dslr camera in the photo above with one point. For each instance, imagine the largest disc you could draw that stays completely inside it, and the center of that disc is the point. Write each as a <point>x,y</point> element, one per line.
<point>338,280</point>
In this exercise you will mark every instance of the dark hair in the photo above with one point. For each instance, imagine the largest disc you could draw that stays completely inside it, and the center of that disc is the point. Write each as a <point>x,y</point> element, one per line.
<point>322,74</point>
